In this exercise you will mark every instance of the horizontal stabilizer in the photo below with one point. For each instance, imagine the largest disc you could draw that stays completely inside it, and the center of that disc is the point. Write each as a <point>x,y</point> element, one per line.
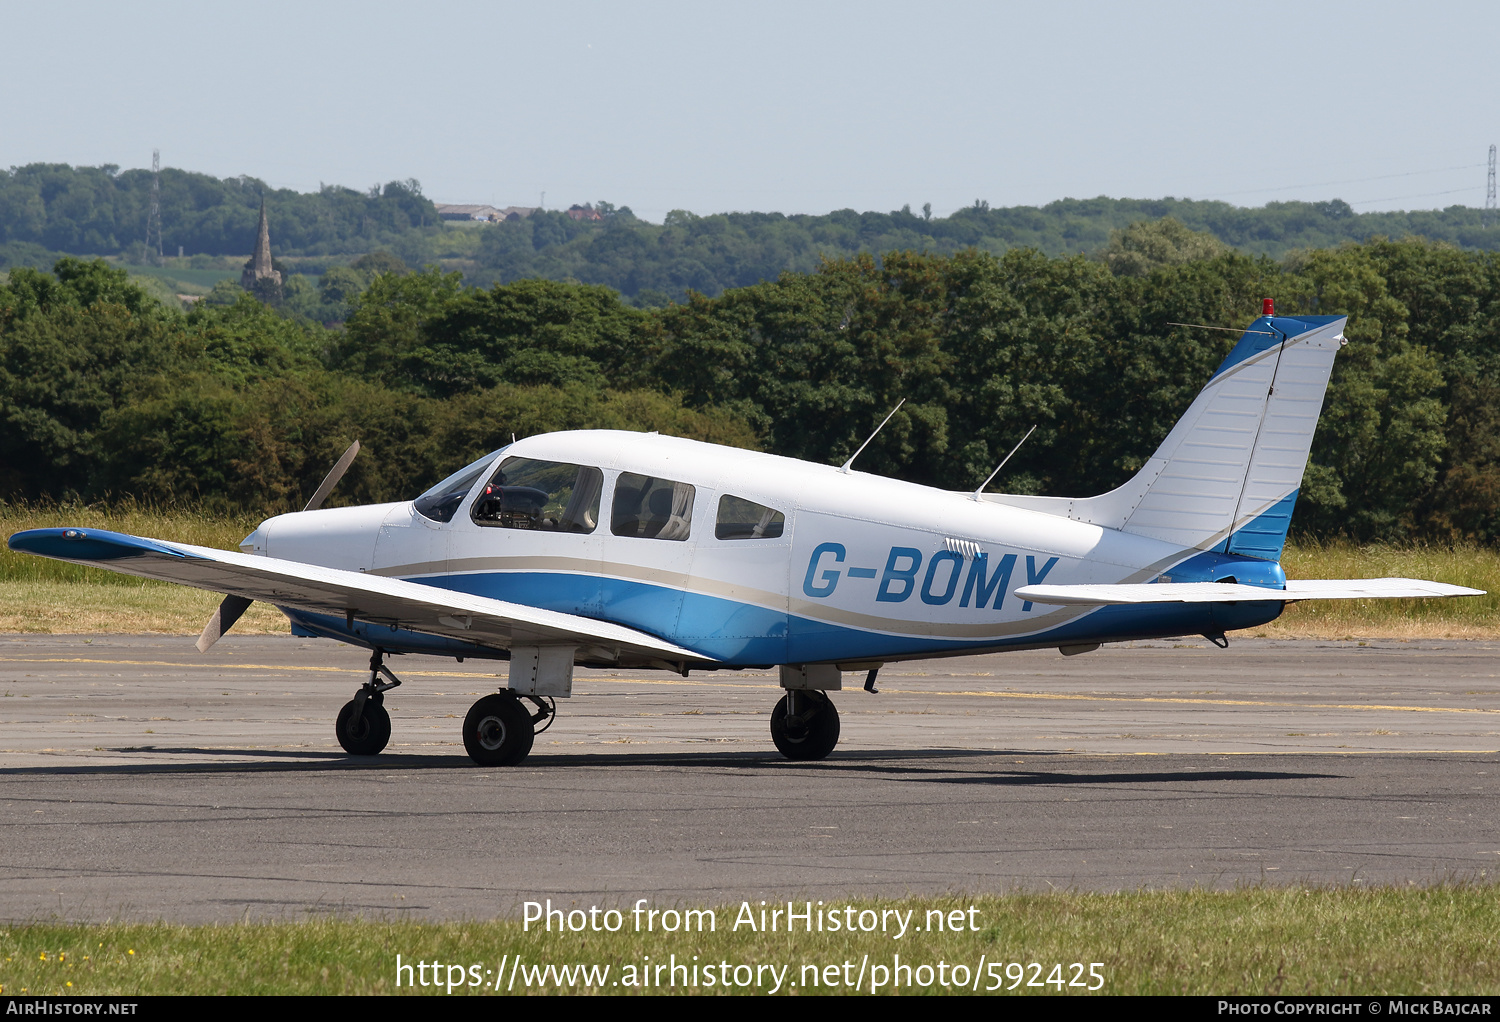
<point>339,593</point>
<point>1231,592</point>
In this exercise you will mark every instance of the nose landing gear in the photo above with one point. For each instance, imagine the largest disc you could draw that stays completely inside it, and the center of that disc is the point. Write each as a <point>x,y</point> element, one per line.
<point>363,725</point>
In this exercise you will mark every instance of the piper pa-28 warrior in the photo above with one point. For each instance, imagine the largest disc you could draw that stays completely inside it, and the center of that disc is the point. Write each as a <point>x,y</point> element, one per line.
<point>633,550</point>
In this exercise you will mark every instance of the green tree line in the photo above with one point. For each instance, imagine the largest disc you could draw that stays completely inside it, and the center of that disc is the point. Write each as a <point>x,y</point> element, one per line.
<point>105,393</point>
<point>655,263</point>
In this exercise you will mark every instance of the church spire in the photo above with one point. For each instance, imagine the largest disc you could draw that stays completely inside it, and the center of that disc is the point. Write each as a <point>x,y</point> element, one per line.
<point>262,258</point>
<point>260,268</point>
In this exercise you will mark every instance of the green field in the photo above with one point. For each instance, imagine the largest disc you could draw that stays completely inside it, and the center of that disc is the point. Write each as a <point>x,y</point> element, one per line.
<point>197,279</point>
<point>1281,941</point>
<point>51,597</point>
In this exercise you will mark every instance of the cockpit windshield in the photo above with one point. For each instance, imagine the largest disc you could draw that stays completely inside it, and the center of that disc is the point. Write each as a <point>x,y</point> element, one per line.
<point>441,501</point>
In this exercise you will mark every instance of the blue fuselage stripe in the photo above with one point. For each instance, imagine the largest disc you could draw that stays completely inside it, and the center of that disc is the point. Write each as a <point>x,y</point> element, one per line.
<point>742,634</point>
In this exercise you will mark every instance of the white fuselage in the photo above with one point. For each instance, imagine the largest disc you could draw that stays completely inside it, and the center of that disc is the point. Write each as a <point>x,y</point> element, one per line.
<point>864,569</point>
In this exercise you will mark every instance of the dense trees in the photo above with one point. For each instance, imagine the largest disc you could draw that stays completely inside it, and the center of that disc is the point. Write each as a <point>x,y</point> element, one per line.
<point>105,392</point>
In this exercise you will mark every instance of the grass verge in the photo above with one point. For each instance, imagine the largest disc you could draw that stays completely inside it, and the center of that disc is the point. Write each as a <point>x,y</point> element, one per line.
<point>1276,941</point>
<point>40,595</point>
<point>52,597</point>
<point>1473,617</point>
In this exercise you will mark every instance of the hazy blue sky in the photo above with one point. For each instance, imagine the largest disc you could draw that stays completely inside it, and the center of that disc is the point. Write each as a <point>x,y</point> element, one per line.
<point>797,107</point>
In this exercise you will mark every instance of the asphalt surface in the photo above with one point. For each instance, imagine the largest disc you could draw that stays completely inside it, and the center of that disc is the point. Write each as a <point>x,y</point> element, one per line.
<point>140,779</point>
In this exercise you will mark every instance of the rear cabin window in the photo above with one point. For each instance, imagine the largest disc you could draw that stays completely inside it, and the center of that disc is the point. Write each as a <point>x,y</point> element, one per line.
<point>546,496</point>
<point>651,508</point>
<point>744,519</point>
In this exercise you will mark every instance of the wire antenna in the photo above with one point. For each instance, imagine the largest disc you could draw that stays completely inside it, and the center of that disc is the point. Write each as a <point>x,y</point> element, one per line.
<point>1013,450</point>
<point>1226,329</point>
<point>844,468</point>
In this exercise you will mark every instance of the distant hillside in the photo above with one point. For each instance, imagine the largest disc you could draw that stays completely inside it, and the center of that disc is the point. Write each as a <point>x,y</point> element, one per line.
<point>102,211</point>
<point>711,253</point>
<point>47,209</point>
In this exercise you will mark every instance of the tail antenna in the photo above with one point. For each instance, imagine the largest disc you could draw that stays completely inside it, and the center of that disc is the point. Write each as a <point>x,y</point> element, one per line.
<point>1013,450</point>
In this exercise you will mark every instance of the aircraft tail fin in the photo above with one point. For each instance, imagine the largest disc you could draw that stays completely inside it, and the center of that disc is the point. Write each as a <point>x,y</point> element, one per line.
<point>1227,476</point>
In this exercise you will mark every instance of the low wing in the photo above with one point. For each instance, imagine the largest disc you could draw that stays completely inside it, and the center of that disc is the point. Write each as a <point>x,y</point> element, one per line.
<point>318,590</point>
<point>1225,592</point>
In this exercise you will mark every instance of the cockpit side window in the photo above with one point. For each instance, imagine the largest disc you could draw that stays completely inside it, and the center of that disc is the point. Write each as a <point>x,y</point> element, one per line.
<point>651,508</point>
<point>549,496</point>
<point>443,500</point>
<point>744,519</point>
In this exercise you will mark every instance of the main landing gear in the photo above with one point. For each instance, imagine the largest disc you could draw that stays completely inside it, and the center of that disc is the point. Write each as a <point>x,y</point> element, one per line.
<point>805,724</point>
<point>499,728</point>
<point>363,727</point>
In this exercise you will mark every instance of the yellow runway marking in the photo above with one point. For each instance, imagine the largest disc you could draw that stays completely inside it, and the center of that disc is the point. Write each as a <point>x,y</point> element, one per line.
<point>688,682</point>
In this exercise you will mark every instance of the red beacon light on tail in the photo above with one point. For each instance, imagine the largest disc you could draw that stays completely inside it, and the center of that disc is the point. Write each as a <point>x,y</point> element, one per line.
<point>1268,306</point>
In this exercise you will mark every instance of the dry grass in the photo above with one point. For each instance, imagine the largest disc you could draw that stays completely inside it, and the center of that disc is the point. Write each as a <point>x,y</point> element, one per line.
<point>197,527</point>
<point>48,597</point>
<point>140,607</point>
<point>1475,617</point>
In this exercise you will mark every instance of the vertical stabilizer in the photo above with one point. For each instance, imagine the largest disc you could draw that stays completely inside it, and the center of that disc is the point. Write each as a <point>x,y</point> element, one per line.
<point>1226,477</point>
<point>1275,474</point>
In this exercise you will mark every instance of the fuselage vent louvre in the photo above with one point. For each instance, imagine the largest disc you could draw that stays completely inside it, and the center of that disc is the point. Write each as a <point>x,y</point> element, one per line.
<point>965,548</point>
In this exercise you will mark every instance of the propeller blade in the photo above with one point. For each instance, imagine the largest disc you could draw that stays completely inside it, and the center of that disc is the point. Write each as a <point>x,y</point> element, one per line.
<point>223,619</point>
<point>232,607</point>
<point>332,478</point>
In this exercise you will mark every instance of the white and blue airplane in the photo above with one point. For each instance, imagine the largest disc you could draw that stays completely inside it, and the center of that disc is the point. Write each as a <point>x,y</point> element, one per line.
<point>618,549</point>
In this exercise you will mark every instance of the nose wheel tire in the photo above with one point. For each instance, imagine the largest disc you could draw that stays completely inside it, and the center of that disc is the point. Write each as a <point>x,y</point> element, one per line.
<point>367,735</point>
<point>811,731</point>
<point>498,731</point>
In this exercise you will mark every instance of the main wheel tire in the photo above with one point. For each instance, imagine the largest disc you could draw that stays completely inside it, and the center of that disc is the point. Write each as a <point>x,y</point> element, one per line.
<point>368,735</point>
<point>498,731</point>
<point>815,735</point>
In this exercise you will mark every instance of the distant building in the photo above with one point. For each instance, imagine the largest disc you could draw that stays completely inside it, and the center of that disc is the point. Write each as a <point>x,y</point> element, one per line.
<point>584,213</point>
<point>260,275</point>
<point>468,211</point>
